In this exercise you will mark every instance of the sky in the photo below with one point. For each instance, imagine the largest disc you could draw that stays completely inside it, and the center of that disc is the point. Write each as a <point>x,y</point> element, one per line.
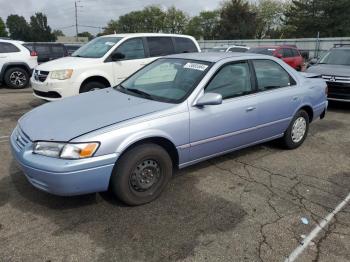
<point>95,13</point>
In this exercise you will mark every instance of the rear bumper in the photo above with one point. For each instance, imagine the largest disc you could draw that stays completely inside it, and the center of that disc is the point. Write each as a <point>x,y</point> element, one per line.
<point>63,177</point>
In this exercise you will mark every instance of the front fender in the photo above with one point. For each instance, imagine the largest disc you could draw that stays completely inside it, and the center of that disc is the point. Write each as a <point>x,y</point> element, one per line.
<point>93,73</point>
<point>142,135</point>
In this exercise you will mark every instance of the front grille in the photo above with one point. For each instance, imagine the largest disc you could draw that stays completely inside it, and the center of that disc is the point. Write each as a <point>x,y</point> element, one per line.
<point>40,75</point>
<point>338,90</point>
<point>51,94</point>
<point>21,139</point>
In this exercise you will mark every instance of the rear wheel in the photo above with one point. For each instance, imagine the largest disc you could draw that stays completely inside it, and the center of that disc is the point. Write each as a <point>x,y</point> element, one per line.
<point>92,86</point>
<point>141,174</point>
<point>16,78</point>
<point>297,130</point>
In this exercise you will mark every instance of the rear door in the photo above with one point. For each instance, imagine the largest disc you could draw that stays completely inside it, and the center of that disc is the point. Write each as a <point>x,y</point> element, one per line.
<point>218,128</point>
<point>9,53</point>
<point>278,97</point>
<point>3,55</point>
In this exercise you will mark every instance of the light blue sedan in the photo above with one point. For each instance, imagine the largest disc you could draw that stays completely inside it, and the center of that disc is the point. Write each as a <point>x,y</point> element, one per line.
<point>174,112</point>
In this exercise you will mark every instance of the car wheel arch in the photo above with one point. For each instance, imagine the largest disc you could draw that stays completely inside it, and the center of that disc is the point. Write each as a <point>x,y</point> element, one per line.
<point>95,78</point>
<point>308,109</point>
<point>8,66</point>
<point>160,140</point>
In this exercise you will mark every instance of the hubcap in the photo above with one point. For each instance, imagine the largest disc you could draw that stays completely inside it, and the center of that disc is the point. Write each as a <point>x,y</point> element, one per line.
<point>299,129</point>
<point>145,175</point>
<point>17,78</point>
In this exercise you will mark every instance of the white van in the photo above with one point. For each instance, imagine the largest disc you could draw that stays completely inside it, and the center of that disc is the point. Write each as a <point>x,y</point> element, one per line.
<point>104,62</point>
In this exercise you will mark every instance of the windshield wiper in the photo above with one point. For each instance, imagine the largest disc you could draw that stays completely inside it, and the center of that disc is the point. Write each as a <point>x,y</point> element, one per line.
<point>137,91</point>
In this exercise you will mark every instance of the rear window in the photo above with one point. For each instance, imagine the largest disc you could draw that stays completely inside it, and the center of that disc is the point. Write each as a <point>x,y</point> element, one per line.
<point>8,48</point>
<point>160,46</point>
<point>42,49</point>
<point>58,50</point>
<point>262,50</point>
<point>185,45</point>
<point>295,52</point>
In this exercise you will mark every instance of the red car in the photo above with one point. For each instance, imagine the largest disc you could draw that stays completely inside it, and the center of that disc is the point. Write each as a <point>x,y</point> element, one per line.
<point>288,54</point>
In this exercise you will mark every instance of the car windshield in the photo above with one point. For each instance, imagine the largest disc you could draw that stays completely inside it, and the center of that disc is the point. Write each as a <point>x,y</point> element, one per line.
<point>97,48</point>
<point>262,50</point>
<point>336,57</point>
<point>166,80</point>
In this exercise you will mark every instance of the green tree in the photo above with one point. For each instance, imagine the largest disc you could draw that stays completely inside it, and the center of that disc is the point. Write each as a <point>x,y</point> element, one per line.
<point>3,32</point>
<point>175,21</point>
<point>305,18</point>
<point>86,34</point>
<point>57,33</point>
<point>40,30</point>
<point>18,28</point>
<point>269,18</point>
<point>237,20</point>
<point>204,25</point>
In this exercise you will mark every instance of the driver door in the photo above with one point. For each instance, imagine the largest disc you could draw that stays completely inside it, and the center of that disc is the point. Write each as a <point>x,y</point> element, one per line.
<point>218,128</point>
<point>133,51</point>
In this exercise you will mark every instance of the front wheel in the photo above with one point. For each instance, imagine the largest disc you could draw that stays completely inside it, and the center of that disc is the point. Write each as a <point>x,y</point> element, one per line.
<point>16,78</point>
<point>91,86</point>
<point>297,130</point>
<point>141,174</point>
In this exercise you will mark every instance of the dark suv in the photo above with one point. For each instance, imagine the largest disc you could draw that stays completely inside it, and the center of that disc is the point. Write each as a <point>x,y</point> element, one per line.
<point>47,51</point>
<point>334,67</point>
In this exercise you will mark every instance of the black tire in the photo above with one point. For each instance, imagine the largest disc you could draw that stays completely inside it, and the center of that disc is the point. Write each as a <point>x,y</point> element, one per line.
<point>288,141</point>
<point>91,86</point>
<point>16,78</point>
<point>127,184</point>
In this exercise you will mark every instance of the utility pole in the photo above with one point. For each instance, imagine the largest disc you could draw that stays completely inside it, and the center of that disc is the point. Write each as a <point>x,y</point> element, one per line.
<point>76,20</point>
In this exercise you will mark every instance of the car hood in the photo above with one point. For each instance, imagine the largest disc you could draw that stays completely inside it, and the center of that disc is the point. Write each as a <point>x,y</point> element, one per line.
<point>74,116</point>
<point>333,70</point>
<point>66,63</point>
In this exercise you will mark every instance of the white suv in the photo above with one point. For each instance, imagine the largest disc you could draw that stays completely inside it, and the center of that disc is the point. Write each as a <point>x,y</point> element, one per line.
<point>16,63</point>
<point>104,62</point>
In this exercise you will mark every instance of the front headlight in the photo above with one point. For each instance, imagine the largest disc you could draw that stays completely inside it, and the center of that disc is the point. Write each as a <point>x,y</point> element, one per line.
<point>65,150</point>
<point>61,74</point>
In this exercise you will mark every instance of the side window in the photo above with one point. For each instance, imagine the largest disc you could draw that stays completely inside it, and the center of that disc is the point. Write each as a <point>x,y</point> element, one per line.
<point>160,46</point>
<point>132,49</point>
<point>287,52</point>
<point>295,52</point>
<point>271,75</point>
<point>185,45</point>
<point>8,48</point>
<point>231,80</point>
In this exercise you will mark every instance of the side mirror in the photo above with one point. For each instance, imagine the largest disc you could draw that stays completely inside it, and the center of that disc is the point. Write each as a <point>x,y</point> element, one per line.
<point>313,61</point>
<point>209,99</point>
<point>117,56</point>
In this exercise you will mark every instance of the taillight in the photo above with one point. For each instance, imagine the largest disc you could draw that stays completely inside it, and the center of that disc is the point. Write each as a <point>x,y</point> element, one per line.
<point>33,53</point>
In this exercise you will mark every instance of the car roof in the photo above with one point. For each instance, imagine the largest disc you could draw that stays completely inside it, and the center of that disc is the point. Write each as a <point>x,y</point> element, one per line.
<point>215,57</point>
<point>145,35</point>
<point>11,41</point>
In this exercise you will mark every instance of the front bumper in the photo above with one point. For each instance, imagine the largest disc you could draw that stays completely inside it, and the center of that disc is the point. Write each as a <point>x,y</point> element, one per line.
<point>59,176</point>
<point>54,89</point>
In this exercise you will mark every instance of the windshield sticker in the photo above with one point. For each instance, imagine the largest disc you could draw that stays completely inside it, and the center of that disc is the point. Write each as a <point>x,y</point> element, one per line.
<point>196,66</point>
<point>110,43</point>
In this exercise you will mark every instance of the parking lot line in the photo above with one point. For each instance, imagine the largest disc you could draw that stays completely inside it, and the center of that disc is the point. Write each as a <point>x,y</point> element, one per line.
<point>3,137</point>
<point>319,227</point>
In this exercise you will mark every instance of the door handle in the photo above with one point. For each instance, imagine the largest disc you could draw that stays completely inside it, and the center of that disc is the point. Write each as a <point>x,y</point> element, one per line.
<point>249,109</point>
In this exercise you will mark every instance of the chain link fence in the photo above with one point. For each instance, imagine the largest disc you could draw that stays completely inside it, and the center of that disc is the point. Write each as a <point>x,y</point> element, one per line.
<point>313,47</point>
